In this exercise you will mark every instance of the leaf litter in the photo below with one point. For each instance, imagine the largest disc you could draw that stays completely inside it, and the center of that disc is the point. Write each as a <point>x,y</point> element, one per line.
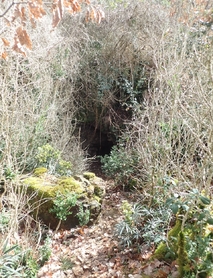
<point>93,251</point>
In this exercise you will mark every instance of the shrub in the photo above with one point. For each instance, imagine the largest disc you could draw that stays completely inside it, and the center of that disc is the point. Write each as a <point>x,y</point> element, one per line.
<point>83,215</point>
<point>114,68</point>
<point>63,203</point>
<point>192,243</point>
<point>121,166</point>
<point>50,158</point>
<point>37,104</point>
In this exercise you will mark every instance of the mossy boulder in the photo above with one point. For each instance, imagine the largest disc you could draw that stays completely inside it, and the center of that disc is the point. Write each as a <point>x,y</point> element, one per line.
<point>44,187</point>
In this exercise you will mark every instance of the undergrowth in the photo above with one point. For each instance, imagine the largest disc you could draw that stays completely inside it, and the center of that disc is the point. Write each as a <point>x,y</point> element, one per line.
<point>143,76</point>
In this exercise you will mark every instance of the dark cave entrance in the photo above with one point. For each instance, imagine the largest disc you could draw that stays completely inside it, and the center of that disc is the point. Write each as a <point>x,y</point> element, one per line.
<point>101,144</point>
<point>97,143</point>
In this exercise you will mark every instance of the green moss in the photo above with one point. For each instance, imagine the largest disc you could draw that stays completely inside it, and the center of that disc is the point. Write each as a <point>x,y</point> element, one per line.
<point>175,230</point>
<point>183,262</point>
<point>45,192</point>
<point>45,186</point>
<point>205,269</point>
<point>98,191</point>
<point>38,183</point>
<point>70,184</point>
<point>40,171</point>
<point>163,251</point>
<point>90,190</point>
<point>88,175</point>
<point>95,197</point>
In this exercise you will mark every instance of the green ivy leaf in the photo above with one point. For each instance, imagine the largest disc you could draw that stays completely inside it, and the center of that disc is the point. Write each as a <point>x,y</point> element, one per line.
<point>201,216</point>
<point>185,207</point>
<point>210,221</point>
<point>174,207</point>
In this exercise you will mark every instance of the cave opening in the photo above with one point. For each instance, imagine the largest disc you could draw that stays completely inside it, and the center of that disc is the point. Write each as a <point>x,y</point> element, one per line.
<point>97,143</point>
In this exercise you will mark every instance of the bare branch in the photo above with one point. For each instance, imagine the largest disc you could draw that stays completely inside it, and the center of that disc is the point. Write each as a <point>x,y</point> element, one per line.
<point>11,5</point>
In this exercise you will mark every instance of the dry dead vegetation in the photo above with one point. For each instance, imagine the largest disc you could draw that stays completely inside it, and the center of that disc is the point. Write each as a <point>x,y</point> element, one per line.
<point>148,67</point>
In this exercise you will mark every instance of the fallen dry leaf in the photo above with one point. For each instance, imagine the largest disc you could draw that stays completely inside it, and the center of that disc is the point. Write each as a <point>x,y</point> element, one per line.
<point>148,270</point>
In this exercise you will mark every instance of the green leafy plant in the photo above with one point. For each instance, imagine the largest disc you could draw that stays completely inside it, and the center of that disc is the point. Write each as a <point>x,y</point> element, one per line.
<point>31,265</point>
<point>128,230</point>
<point>142,224</point>
<point>4,220</point>
<point>121,165</point>
<point>155,223</point>
<point>83,215</point>
<point>62,205</point>
<point>66,263</point>
<point>10,262</point>
<point>50,158</point>
<point>193,211</point>
<point>9,173</point>
<point>45,251</point>
<point>14,262</point>
<point>130,95</point>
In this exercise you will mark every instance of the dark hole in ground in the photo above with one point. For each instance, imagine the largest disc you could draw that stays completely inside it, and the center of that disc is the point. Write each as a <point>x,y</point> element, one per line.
<point>97,143</point>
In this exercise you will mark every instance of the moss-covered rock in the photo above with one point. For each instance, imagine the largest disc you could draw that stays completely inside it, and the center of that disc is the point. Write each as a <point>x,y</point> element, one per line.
<point>40,171</point>
<point>70,184</point>
<point>88,175</point>
<point>44,189</point>
<point>99,187</point>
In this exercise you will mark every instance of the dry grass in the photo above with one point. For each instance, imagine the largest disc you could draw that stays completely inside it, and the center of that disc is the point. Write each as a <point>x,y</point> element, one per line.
<point>37,104</point>
<point>173,131</point>
<point>36,107</point>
